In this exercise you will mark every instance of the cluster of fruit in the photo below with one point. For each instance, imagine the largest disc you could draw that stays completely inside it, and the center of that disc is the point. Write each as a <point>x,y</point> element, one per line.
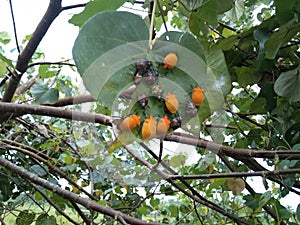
<point>151,127</point>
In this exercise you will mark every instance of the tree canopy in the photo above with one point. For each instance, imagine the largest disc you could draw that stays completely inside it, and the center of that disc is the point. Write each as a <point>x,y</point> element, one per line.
<point>188,113</point>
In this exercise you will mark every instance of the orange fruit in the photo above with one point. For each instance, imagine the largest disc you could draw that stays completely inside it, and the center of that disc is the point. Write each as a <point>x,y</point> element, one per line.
<point>197,96</point>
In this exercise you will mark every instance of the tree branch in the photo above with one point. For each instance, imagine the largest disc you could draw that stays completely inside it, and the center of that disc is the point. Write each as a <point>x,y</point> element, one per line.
<point>14,26</point>
<point>235,174</point>
<point>73,100</point>
<point>237,153</point>
<point>252,192</point>
<point>194,195</point>
<point>23,109</point>
<point>35,155</point>
<point>53,204</point>
<point>52,12</point>
<point>71,196</point>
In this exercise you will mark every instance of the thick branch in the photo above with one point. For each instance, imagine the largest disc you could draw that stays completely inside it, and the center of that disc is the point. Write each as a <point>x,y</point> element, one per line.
<point>22,109</point>
<point>71,196</point>
<point>52,12</point>
<point>236,174</point>
<point>236,153</point>
<point>73,100</point>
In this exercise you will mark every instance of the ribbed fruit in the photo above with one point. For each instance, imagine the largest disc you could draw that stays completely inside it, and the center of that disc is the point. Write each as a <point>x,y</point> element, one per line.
<point>197,96</point>
<point>163,126</point>
<point>170,61</point>
<point>171,103</point>
<point>149,128</point>
<point>129,123</point>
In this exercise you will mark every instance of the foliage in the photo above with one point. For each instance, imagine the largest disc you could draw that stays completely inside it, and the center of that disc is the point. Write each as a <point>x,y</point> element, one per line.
<point>62,150</point>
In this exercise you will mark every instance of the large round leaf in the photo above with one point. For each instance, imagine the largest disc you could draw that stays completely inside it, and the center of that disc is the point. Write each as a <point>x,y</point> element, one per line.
<point>106,45</point>
<point>195,68</point>
<point>287,85</point>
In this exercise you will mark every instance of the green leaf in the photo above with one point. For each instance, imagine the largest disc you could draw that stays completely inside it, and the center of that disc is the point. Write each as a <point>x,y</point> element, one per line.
<point>296,147</point>
<point>258,106</point>
<point>178,160</point>
<point>2,68</point>
<point>246,75</point>
<point>217,68</point>
<point>25,218</point>
<point>252,201</point>
<point>191,71</point>
<point>298,212</point>
<point>224,5</point>
<point>6,189</point>
<point>39,170</point>
<point>107,45</point>
<point>265,198</point>
<point>287,85</point>
<point>206,13</point>
<point>285,12</point>
<point>45,219</point>
<point>154,202</point>
<point>216,183</point>
<point>292,135</point>
<point>5,37</point>
<point>94,7</point>
<point>43,94</point>
<point>227,43</point>
<point>237,11</point>
<point>267,92</point>
<point>45,71</point>
<point>60,202</point>
<point>285,33</point>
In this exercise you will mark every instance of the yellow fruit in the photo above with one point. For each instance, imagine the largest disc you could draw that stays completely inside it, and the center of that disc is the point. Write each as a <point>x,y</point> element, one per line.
<point>149,128</point>
<point>171,103</point>
<point>170,61</point>
<point>130,123</point>
<point>197,96</point>
<point>163,126</point>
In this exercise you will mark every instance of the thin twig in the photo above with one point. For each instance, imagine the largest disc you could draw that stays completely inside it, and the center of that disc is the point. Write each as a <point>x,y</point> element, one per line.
<point>73,6</point>
<point>81,214</point>
<point>197,214</point>
<point>162,16</point>
<point>62,63</point>
<point>52,203</point>
<point>14,26</point>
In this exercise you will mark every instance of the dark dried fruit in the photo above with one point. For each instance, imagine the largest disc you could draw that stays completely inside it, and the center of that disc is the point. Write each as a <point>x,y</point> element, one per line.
<point>143,100</point>
<point>151,77</point>
<point>176,122</point>
<point>142,65</point>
